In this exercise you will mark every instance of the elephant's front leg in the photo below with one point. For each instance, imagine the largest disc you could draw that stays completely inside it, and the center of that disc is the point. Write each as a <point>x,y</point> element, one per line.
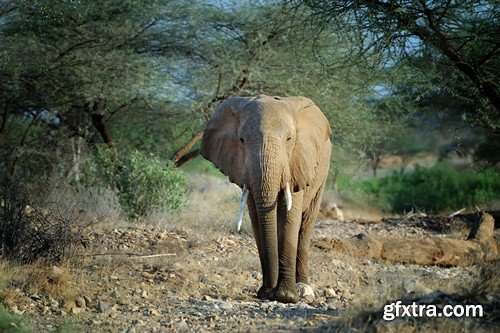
<point>306,229</point>
<point>288,234</point>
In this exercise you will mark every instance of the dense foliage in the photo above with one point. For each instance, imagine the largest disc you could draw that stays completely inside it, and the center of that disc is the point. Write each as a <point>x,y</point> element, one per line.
<point>143,182</point>
<point>145,76</point>
<point>437,189</point>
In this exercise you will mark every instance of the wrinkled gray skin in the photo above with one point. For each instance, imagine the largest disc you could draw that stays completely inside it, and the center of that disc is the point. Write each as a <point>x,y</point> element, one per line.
<point>268,144</point>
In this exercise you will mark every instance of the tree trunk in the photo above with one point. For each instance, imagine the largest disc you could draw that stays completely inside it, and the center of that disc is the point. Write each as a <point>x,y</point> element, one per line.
<point>4,115</point>
<point>336,174</point>
<point>96,113</point>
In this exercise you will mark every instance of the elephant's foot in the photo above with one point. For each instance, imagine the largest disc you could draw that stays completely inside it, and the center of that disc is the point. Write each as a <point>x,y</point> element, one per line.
<point>264,292</point>
<point>284,295</point>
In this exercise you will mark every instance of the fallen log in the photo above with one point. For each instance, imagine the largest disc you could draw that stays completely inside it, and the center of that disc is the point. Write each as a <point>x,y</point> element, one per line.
<point>480,245</point>
<point>444,224</point>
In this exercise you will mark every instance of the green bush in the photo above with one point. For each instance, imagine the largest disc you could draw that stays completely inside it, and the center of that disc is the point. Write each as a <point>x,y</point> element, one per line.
<point>10,323</point>
<point>143,182</point>
<point>437,189</point>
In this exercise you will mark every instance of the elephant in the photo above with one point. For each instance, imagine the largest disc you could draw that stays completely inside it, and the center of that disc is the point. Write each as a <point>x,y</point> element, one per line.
<point>277,149</point>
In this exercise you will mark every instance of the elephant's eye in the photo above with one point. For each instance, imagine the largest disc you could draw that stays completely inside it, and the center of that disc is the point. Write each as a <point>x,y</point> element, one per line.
<point>241,139</point>
<point>289,138</point>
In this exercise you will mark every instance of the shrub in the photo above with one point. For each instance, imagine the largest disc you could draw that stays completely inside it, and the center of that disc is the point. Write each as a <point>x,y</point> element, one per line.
<point>440,188</point>
<point>142,181</point>
<point>10,323</point>
<point>28,233</point>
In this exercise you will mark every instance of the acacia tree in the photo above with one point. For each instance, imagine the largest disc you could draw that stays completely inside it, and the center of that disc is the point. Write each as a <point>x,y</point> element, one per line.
<point>73,66</point>
<point>253,48</point>
<point>461,34</point>
<point>148,74</point>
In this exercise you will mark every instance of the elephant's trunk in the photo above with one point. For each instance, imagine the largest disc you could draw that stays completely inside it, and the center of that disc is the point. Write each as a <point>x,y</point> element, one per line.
<point>266,183</point>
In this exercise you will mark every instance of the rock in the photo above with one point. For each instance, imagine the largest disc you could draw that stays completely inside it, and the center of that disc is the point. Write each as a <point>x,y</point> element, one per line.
<point>77,310</point>
<point>305,291</point>
<point>330,292</point>
<point>303,305</point>
<point>138,322</point>
<point>16,311</point>
<point>125,302</point>
<point>94,322</point>
<point>56,271</point>
<point>207,298</point>
<point>80,302</point>
<point>131,330</point>
<point>154,313</point>
<point>103,307</point>
<point>224,305</point>
<point>183,325</point>
<point>87,299</point>
<point>69,305</point>
<point>144,294</point>
<point>413,286</point>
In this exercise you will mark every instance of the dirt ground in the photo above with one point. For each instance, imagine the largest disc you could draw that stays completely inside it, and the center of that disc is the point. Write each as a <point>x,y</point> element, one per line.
<point>192,272</point>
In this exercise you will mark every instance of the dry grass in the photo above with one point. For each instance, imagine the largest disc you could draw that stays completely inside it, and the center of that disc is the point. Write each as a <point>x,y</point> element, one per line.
<point>57,282</point>
<point>365,314</point>
<point>92,204</point>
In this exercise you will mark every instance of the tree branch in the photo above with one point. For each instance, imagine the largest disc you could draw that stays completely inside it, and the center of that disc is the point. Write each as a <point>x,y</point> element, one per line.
<point>179,154</point>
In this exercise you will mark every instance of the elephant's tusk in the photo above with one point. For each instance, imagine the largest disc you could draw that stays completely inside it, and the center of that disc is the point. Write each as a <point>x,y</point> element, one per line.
<point>243,202</point>
<point>288,197</point>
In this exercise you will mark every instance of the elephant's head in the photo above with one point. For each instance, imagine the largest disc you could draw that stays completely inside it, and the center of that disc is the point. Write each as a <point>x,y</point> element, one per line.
<point>267,144</point>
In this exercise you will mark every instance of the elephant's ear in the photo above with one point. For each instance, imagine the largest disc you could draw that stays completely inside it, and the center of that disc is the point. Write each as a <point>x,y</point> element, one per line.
<point>220,143</point>
<point>313,132</point>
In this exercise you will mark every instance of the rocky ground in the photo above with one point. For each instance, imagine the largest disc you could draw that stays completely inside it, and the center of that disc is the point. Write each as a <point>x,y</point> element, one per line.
<point>196,276</point>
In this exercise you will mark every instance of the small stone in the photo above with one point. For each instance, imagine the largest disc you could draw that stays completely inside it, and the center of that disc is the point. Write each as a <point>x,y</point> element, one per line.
<point>80,302</point>
<point>87,299</point>
<point>414,286</point>
<point>144,294</point>
<point>183,324</point>
<point>138,322</point>
<point>330,292</point>
<point>103,307</point>
<point>56,271</point>
<point>154,313</point>
<point>69,305</point>
<point>125,302</point>
<point>207,298</point>
<point>212,318</point>
<point>224,305</point>
<point>305,291</point>
<point>77,310</point>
